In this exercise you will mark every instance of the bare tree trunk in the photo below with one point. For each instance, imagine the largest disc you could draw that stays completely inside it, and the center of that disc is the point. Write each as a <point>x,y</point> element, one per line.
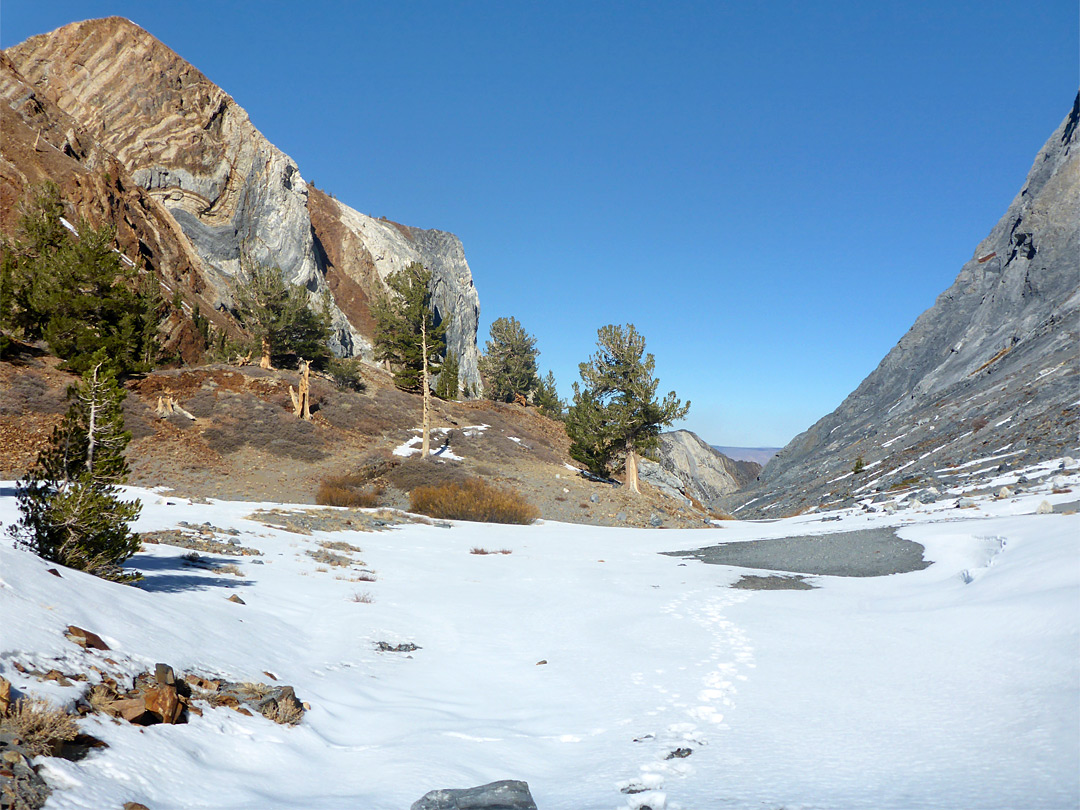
<point>265,361</point>
<point>302,401</point>
<point>91,428</point>
<point>632,471</point>
<point>426,446</point>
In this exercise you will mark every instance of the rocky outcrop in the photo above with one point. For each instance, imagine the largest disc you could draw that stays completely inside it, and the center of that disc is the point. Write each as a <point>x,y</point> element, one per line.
<point>40,143</point>
<point>991,370</point>
<point>361,251</point>
<point>505,795</point>
<point>698,469</point>
<point>232,192</point>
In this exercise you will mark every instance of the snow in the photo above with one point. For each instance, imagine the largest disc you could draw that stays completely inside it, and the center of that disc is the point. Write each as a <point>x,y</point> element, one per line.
<point>957,685</point>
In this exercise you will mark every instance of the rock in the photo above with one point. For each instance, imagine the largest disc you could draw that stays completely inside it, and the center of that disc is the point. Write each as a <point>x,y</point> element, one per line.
<point>237,600</point>
<point>889,508</point>
<point>680,753</point>
<point>1045,508</point>
<point>164,703</point>
<point>594,498</point>
<point>130,709</point>
<point>965,503</point>
<point>504,795</point>
<point>656,521</point>
<point>1021,479</point>
<point>85,639</point>
<point>383,646</point>
<point>5,696</point>
<point>1059,482</point>
<point>621,517</point>
<point>1066,463</point>
<point>135,806</point>
<point>1003,493</point>
<point>702,472</point>
<point>163,674</point>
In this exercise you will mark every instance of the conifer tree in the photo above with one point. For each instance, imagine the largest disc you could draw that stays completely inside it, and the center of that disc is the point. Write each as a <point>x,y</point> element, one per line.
<point>447,385</point>
<point>75,292</point>
<point>509,362</point>
<point>407,328</point>
<point>70,512</point>
<point>547,399</point>
<point>616,416</point>
<point>284,327</point>
<point>410,336</point>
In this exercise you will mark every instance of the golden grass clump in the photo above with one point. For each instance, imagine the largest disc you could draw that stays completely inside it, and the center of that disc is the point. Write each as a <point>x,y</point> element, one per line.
<point>472,499</point>
<point>39,724</point>
<point>348,490</point>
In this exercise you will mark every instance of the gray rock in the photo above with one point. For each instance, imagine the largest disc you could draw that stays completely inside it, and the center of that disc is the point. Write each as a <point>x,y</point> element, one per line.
<point>656,521</point>
<point>696,469</point>
<point>594,498</point>
<point>504,795</point>
<point>961,379</point>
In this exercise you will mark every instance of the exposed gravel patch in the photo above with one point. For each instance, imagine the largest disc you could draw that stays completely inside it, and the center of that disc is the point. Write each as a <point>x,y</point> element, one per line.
<point>861,553</point>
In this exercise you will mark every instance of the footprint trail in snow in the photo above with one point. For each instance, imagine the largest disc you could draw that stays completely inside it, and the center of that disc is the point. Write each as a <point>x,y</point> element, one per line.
<point>685,725</point>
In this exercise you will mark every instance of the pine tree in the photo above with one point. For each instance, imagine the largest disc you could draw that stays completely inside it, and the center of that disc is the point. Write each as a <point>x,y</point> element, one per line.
<point>76,293</point>
<point>616,416</point>
<point>509,362</point>
<point>410,336</point>
<point>283,325</point>
<point>407,327</point>
<point>70,510</point>
<point>447,385</point>
<point>547,399</point>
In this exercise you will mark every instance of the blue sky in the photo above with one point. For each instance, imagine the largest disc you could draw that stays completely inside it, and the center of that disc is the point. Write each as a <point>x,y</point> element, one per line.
<point>770,191</point>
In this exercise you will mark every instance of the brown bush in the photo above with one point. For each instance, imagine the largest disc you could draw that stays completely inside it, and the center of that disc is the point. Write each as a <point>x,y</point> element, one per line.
<point>348,490</point>
<point>41,725</point>
<point>473,499</point>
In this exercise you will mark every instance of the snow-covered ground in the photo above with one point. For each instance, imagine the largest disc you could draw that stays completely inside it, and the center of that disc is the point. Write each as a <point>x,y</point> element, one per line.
<point>580,662</point>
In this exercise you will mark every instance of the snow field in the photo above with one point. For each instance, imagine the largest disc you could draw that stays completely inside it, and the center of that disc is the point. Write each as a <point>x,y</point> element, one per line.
<point>954,686</point>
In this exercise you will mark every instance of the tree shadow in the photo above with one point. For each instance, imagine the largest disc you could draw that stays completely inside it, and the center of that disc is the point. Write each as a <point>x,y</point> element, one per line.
<point>175,574</point>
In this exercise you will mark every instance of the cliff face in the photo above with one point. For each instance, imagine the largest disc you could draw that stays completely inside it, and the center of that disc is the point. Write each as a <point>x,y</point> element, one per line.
<point>232,192</point>
<point>991,368</point>
<point>698,470</point>
<point>40,143</point>
<point>361,251</point>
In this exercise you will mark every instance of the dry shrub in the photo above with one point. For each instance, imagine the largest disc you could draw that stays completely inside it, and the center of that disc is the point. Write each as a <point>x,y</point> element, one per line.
<point>285,712</point>
<point>228,568</point>
<point>100,696</point>
<point>478,550</point>
<point>340,545</point>
<point>473,499</point>
<point>349,490</point>
<point>325,557</point>
<point>39,724</point>
<point>364,597</point>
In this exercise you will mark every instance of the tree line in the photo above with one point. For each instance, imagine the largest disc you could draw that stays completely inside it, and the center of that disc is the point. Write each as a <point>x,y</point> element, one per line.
<point>100,315</point>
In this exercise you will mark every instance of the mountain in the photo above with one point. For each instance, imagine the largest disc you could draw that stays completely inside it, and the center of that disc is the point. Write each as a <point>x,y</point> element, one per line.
<point>761,455</point>
<point>687,466</point>
<point>990,372</point>
<point>231,192</point>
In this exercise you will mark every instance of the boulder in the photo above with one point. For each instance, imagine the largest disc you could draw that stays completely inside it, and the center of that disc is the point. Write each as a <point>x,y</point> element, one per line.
<point>505,795</point>
<point>85,639</point>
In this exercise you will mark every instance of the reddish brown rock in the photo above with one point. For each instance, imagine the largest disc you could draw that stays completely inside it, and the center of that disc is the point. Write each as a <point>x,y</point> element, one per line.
<point>163,702</point>
<point>5,696</point>
<point>85,639</point>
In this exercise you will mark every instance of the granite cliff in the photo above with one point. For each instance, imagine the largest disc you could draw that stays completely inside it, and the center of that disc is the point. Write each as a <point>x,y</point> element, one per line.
<point>989,372</point>
<point>196,152</point>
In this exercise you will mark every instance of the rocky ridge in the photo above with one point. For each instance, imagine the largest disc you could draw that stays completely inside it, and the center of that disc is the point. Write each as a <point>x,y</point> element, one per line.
<point>231,192</point>
<point>687,466</point>
<point>989,373</point>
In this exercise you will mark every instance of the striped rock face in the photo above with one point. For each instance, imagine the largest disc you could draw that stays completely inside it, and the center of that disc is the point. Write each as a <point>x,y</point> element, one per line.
<point>233,193</point>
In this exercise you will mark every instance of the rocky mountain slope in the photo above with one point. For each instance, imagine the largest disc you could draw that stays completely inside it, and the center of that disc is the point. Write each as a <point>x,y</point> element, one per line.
<point>688,466</point>
<point>39,143</point>
<point>989,372</point>
<point>232,192</point>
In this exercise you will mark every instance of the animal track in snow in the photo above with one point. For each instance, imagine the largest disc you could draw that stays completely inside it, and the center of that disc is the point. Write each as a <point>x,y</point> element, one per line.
<point>671,749</point>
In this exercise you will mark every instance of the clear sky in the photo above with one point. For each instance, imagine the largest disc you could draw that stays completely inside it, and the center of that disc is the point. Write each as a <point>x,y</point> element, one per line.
<point>770,191</point>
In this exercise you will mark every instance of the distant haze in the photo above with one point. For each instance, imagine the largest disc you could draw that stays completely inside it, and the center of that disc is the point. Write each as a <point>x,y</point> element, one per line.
<point>759,454</point>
